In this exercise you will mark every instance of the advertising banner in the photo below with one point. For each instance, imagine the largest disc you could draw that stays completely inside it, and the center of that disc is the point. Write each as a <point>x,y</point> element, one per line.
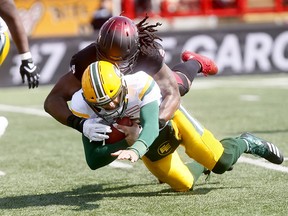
<point>237,51</point>
<point>45,18</point>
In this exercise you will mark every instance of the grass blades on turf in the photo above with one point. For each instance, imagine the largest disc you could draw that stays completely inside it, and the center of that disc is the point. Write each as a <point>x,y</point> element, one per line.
<point>46,173</point>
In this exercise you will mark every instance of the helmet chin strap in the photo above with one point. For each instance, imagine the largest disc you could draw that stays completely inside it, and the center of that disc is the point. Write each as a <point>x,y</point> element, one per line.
<point>131,64</point>
<point>110,115</point>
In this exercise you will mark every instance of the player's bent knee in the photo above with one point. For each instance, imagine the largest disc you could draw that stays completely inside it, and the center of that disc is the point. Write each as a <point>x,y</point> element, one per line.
<point>178,185</point>
<point>223,164</point>
<point>172,171</point>
<point>183,189</point>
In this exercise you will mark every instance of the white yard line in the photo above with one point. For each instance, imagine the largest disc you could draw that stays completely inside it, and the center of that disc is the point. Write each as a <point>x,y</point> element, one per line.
<point>114,164</point>
<point>23,110</point>
<point>264,164</point>
<point>263,82</point>
<point>38,112</point>
<point>117,164</point>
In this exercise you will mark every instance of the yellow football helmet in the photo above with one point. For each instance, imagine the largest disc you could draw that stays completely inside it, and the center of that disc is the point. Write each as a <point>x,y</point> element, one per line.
<point>102,82</point>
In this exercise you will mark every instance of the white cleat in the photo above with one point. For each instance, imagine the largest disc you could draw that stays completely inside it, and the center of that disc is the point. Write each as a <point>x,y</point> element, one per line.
<point>3,125</point>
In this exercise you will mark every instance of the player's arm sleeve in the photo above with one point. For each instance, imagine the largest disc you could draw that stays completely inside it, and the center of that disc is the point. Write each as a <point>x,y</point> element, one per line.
<point>150,128</point>
<point>155,59</point>
<point>98,155</point>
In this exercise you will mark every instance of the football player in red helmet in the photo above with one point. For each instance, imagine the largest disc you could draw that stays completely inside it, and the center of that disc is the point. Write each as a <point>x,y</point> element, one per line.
<point>118,42</point>
<point>133,48</point>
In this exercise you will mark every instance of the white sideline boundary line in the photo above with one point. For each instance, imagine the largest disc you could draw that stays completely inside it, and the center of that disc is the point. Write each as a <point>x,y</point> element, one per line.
<point>114,164</point>
<point>23,110</point>
<point>117,164</point>
<point>264,164</point>
<point>38,112</point>
<point>264,82</point>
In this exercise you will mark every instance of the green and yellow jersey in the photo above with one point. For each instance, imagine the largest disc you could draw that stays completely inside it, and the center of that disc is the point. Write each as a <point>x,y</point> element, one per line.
<point>144,98</point>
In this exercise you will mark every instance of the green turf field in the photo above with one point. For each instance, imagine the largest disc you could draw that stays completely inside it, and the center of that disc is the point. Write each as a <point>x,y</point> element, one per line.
<point>46,173</point>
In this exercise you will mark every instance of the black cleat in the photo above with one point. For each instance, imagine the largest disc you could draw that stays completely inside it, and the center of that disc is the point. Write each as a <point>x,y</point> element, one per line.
<point>262,148</point>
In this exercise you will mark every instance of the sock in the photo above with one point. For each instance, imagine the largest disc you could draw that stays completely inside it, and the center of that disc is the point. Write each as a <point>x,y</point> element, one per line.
<point>243,144</point>
<point>247,146</point>
<point>189,68</point>
<point>182,81</point>
<point>196,169</point>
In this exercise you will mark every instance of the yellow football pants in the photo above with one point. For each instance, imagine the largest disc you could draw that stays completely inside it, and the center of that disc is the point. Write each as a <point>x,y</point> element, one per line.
<point>4,46</point>
<point>200,145</point>
<point>172,171</point>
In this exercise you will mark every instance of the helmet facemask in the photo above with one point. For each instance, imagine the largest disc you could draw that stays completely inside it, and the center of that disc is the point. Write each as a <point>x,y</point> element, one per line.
<point>111,114</point>
<point>102,85</point>
<point>125,65</point>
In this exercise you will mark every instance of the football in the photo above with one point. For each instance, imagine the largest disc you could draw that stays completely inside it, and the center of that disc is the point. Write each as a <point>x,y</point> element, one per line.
<point>117,135</point>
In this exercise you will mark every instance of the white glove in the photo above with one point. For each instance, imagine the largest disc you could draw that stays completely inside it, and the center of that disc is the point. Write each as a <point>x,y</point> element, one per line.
<point>94,130</point>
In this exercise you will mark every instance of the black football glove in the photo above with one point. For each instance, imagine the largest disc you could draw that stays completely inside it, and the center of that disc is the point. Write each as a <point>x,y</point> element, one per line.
<point>30,70</point>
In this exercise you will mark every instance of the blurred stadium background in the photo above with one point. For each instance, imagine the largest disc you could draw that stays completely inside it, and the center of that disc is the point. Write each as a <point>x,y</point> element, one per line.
<point>43,171</point>
<point>242,36</point>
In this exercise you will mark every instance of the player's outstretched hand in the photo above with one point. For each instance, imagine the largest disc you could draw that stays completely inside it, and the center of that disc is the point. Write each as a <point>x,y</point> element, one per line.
<point>94,130</point>
<point>29,70</point>
<point>126,155</point>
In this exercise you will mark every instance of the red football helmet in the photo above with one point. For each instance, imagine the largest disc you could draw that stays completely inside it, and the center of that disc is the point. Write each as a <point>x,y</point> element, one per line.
<point>118,42</point>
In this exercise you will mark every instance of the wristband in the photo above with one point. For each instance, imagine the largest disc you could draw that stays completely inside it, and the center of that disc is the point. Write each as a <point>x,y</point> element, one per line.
<point>139,147</point>
<point>75,122</point>
<point>26,56</point>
